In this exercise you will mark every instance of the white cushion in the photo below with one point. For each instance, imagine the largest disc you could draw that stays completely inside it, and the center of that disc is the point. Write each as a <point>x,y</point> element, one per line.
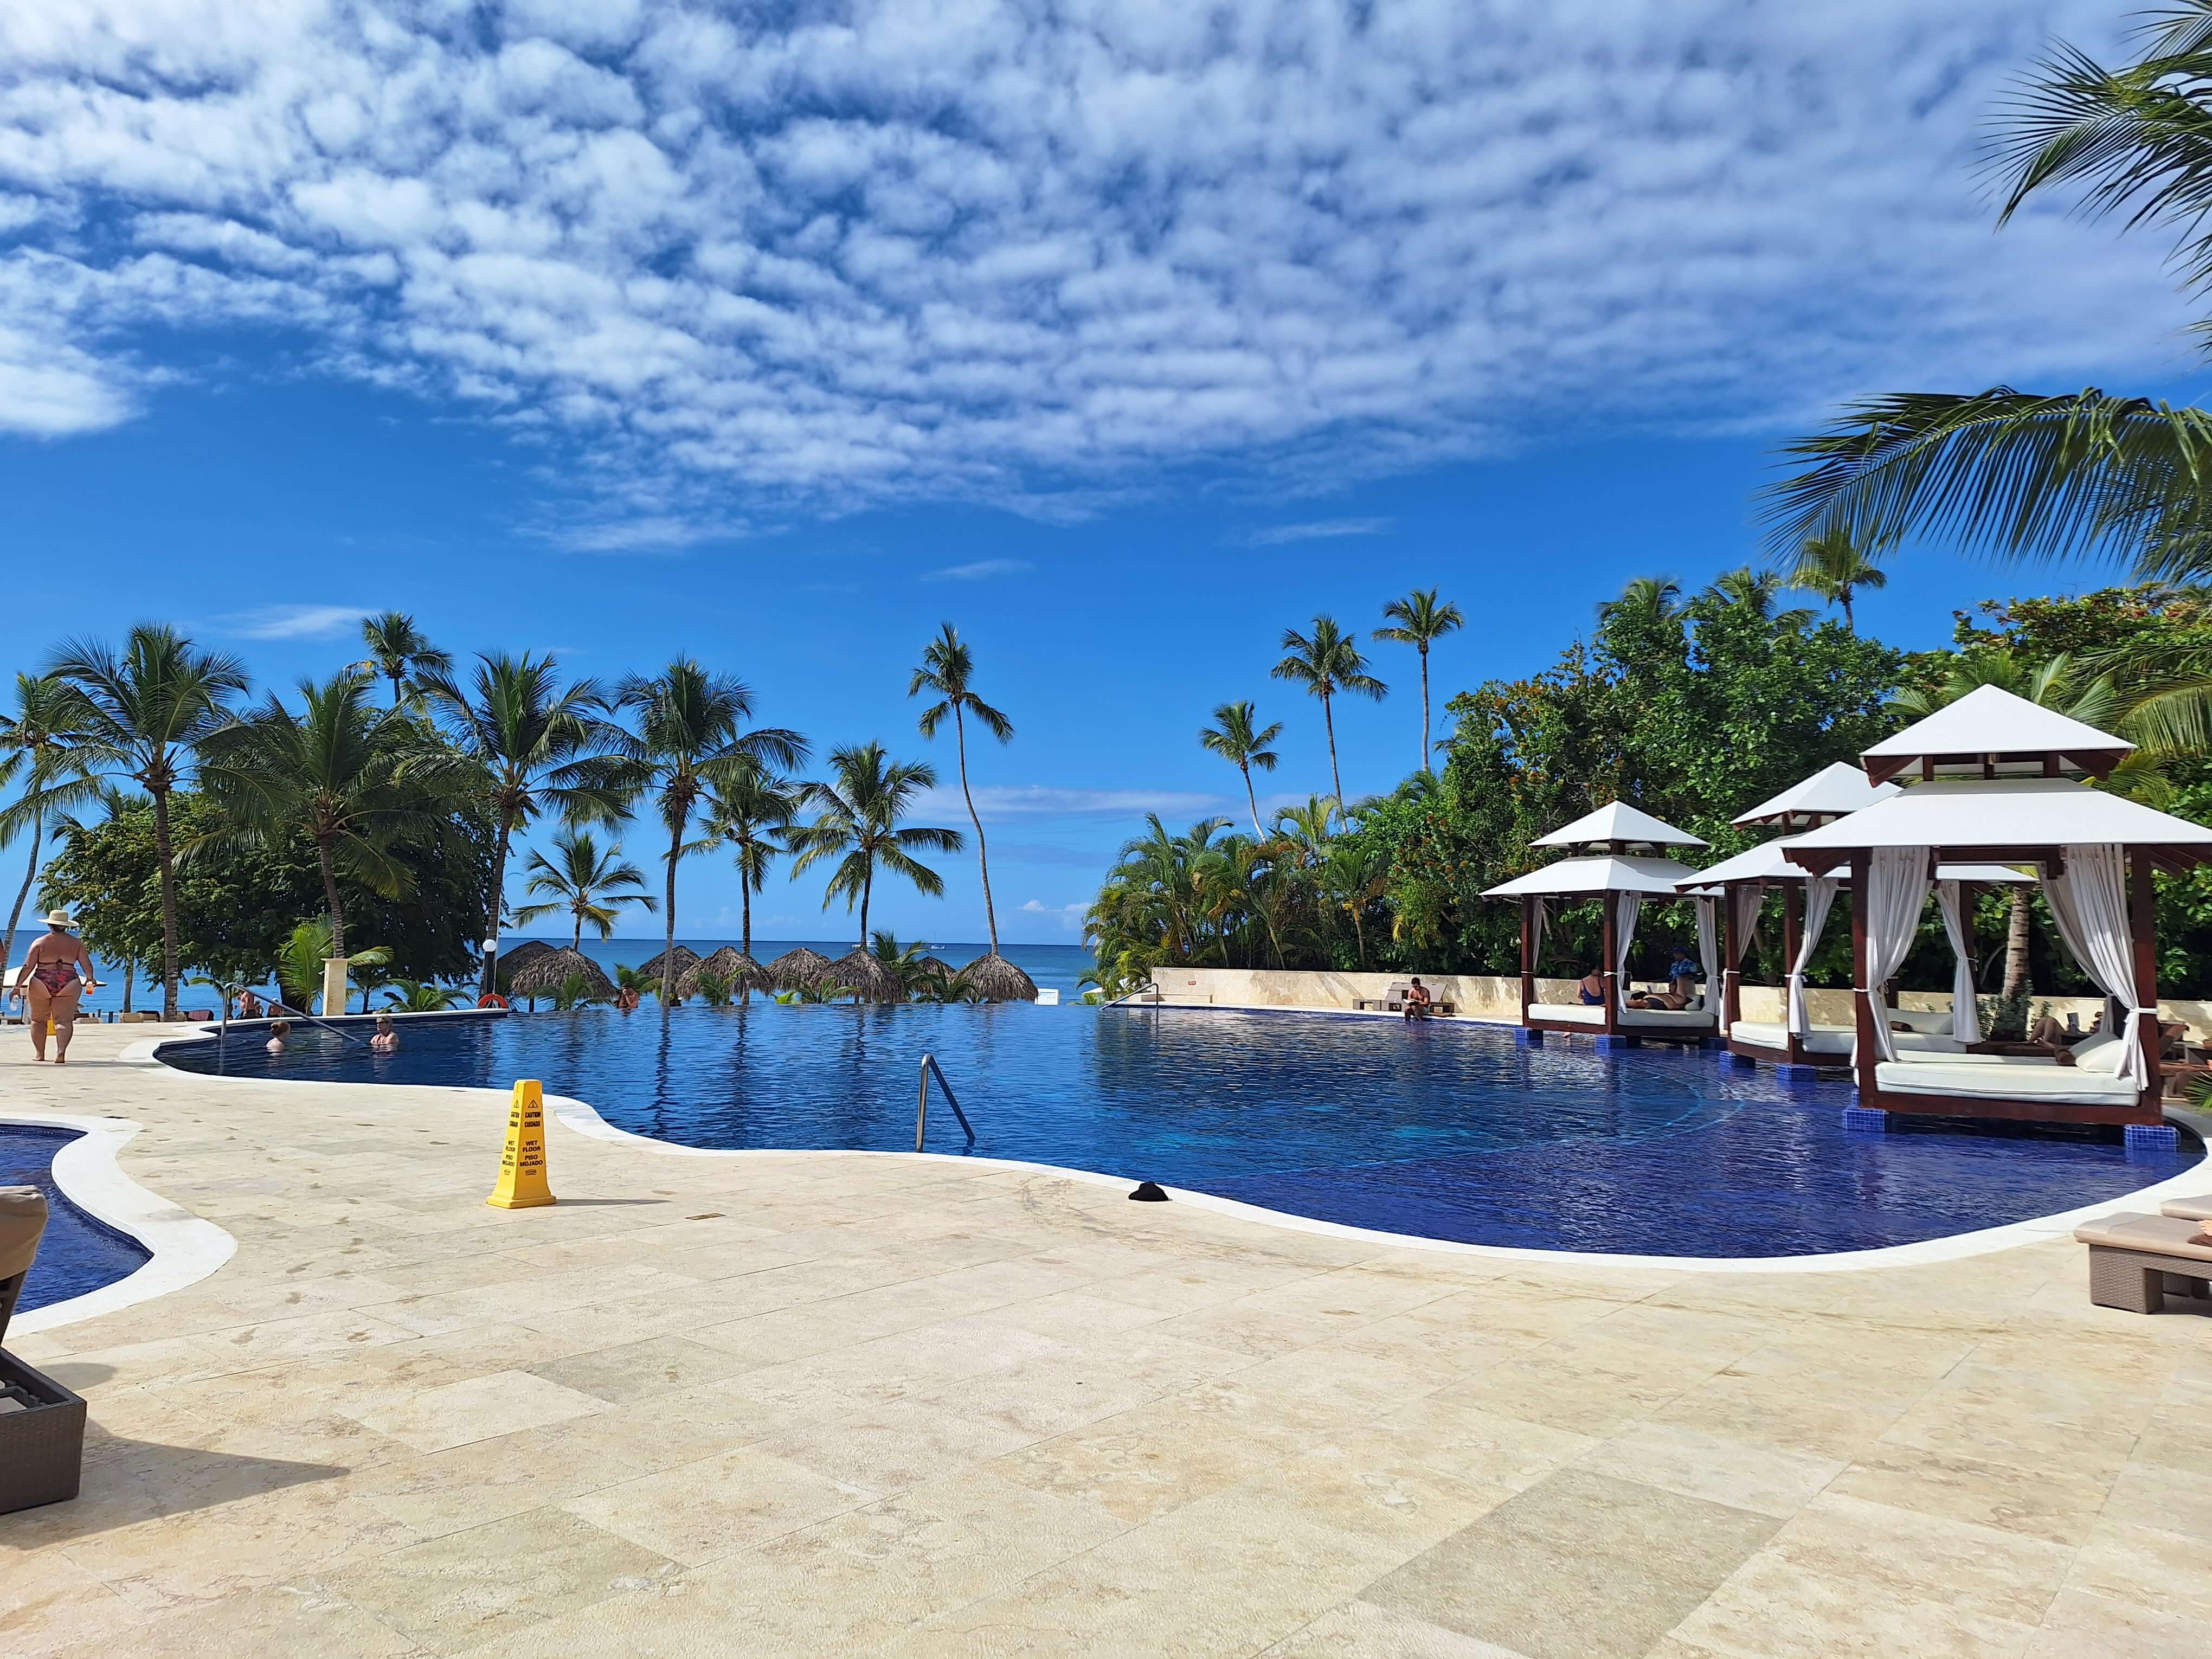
<point>1576,1013</point>
<point>1671,1018</point>
<point>1934,1022</point>
<point>2101,1053</point>
<point>1820,1040</point>
<point>2008,1079</point>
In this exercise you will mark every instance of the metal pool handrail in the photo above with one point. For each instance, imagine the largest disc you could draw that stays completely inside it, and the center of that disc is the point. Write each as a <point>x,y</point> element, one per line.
<point>929,1066</point>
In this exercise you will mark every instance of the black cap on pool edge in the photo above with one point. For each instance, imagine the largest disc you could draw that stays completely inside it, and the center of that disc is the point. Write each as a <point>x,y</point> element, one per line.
<point>1148,1191</point>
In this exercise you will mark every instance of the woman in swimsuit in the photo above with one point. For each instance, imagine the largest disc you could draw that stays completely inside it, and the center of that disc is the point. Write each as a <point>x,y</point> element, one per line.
<point>56,970</point>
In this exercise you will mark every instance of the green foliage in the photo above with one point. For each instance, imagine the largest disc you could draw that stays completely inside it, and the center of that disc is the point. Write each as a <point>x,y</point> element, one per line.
<point>236,904</point>
<point>714,989</point>
<point>2004,1017</point>
<point>415,996</point>
<point>572,992</point>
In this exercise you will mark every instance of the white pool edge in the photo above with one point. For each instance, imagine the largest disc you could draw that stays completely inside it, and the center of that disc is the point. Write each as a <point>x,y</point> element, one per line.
<point>581,1117</point>
<point>184,1248</point>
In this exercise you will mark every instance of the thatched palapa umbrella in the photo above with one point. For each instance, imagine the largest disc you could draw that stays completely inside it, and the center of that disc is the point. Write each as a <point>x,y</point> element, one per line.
<point>510,962</point>
<point>742,973</point>
<point>871,976</point>
<point>801,969</point>
<point>996,980</point>
<point>685,958</point>
<point>544,976</point>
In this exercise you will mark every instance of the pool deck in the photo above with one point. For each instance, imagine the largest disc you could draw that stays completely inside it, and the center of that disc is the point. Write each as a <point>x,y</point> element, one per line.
<point>815,1405</point>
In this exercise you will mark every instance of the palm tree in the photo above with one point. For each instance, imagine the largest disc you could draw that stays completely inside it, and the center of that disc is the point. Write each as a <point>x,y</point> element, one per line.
<point>1420,622</point>
<point>1833,567</point>
<point>590,885</point>
<point>751,813</point>
<point>1233,737</point>
<point>336,772</point>
<point>1647,600</point>
<point>529,746</point>
<point>2058,683</point>
<point>691,740</point>
<point>947,666</point>
<point>299,964</point>
<point>1326,663</point>
<point>145,714</point>
<point>400,651</point>
<point>2079,473</point>
<point>38,741</point>
<point>858,826</point>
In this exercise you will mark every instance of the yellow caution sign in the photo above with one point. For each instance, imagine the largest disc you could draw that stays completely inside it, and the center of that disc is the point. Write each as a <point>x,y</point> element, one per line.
<point>522,1166</point>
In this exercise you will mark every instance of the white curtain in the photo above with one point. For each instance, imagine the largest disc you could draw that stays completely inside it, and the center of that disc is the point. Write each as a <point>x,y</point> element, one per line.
<point>1744,901</point>
<point>1896,894</point>
<point>1965,1013</point>
<point>2088,900</point>
<point>1540,918</point>
<point>1708,950</point>
<point>1626,907</point>
<point>1820,894</point>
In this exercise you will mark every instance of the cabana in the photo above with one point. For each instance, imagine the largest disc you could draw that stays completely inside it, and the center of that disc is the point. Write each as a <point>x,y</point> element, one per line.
<point>1999,780</point>
<point>1741,882</point>
<point>1619,856</point>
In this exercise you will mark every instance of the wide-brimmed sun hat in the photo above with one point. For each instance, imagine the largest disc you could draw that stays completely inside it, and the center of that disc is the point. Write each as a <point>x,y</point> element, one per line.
<point>60,919</point>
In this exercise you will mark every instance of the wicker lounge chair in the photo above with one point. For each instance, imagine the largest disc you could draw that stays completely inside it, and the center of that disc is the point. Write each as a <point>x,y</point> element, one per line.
<point>41,1423</point>
<point>2188,1209</point>
<point>2135,1261</point>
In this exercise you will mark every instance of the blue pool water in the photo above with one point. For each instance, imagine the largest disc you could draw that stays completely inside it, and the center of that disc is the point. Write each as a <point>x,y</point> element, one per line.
<point>1444,1131</point>
<point>77,1254</point>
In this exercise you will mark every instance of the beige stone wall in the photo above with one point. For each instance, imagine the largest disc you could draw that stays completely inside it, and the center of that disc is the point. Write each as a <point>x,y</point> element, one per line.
<point>1498,997</point>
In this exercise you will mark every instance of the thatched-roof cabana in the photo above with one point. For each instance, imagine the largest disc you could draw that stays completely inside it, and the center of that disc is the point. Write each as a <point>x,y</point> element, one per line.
<point>801,969</point>
<point>513,961</point>
<point>871,976</point>
<point>546,973</point>
<point>742,972</point>
<point>683,956</point>
<point>996,980</point>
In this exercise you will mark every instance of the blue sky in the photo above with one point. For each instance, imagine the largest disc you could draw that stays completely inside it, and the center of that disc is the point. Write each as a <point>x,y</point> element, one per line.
<point>627,329</point>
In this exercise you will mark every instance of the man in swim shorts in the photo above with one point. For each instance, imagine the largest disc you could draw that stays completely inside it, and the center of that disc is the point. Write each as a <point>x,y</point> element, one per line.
<point>56,970</point>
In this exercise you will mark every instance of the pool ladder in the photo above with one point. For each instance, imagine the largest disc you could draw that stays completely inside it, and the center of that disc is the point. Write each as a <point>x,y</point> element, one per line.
<point>929,1068</point>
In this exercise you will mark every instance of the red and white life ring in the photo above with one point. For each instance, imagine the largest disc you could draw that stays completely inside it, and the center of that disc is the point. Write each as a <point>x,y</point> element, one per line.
<point>491,999</point>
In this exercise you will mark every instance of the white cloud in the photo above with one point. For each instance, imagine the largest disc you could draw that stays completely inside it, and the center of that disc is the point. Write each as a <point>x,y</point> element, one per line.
<point>294,622</point>
<point>1318,529</point>
<point>872,250</point>
<point>981,570</point>
<point>1002,802</point>
<point>1069,916</point>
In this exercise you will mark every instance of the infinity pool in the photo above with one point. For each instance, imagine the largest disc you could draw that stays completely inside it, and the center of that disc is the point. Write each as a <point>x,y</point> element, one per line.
<point>1444,1131</point>
<point>77,1253</point>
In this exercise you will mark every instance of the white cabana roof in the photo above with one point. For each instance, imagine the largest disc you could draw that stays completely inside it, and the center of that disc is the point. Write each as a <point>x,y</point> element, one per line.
<point>1768,861</point>
<point>1604,873</point>
<point>1997,817</point>
<point>1618,821</point>
<point>1828,793</point>
<point>1990,732</point>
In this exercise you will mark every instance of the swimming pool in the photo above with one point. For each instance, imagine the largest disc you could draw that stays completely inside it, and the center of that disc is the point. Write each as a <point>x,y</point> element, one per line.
<point>77,1253</point>
<point>1445,1130</point>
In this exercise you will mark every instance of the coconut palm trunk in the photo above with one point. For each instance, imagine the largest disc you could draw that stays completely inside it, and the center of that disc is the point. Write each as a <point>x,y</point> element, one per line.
<point>668,944</point>
<point>1426,750</point>
<point>165,859</point>
<point>1328,721</point>
<point>331,898</point>
<point>23,893</point>
<point>982,858</point>
<point>745,908</point>
<point>2015,974</point>
<point>1251,799</point>
<point>498,906</point>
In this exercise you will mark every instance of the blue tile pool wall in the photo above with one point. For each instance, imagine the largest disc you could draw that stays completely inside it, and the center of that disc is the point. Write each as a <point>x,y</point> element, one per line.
<point>1444,1131</point>
<point>78,1253</point>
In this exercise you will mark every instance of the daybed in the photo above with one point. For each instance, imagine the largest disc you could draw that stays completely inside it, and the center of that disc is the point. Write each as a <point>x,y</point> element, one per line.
<point>2137,1260</point>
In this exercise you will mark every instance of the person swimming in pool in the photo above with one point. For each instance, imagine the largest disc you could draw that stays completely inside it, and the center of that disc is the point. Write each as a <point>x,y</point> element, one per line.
<point>57,971</point>
<point>278,1030</point>
<point>387,1040</point>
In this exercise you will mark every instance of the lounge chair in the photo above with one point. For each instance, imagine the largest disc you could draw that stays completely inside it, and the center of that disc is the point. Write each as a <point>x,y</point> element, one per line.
<point>2188,1209</point>
<point>41,1423</point>
<point>2137,1260</point>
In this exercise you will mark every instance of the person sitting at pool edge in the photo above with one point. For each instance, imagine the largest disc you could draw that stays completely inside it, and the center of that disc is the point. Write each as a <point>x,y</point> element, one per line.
<point>278,1030</point>
<point>386,1038</point>
<point>1417,1000</point>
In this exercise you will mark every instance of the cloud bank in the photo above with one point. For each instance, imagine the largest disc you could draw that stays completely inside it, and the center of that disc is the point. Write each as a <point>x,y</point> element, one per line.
<point>850,251</point>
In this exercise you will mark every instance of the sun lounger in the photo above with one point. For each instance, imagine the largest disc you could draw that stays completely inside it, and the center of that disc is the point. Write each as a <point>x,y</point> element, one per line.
<point>1393,1001</point>
<point>41,1423</point>
<point>2188,1209</point>
<point>2137,1260</point>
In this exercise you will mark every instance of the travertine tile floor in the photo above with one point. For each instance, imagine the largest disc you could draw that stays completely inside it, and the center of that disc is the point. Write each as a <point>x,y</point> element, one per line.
<point>866,1404</point>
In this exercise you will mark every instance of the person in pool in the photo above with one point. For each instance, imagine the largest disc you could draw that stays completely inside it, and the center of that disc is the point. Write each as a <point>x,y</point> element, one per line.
<point>387,1040</point>
<point>57,971</point>
<point>278,1030</point>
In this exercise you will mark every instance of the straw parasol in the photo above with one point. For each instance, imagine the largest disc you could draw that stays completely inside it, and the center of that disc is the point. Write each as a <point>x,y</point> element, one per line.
<point>742,973</point>
<point>685,958</point>
<point>996,980</point>
<point>545,973</point>
<point>525,952</point>
<point>871,977</point>
<point>801,969</point>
